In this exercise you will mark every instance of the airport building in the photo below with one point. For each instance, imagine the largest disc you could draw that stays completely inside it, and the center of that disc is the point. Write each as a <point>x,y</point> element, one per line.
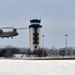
<point>35,30</point>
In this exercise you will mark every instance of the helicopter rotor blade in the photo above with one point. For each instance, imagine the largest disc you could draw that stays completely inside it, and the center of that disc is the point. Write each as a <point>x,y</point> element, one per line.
<point>21,28</point>
<point>6,27</point>
<point>12,28</point>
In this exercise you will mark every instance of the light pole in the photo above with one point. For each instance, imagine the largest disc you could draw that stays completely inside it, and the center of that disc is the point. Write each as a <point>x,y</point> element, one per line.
<point>66,43</point>
<point>43,46</point>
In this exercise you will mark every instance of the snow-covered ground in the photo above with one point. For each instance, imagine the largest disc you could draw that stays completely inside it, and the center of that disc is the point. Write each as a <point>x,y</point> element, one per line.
<point>37,67</point>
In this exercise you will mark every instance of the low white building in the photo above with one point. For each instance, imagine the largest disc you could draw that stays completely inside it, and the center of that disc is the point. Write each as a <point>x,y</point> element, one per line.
<point>19,55</point>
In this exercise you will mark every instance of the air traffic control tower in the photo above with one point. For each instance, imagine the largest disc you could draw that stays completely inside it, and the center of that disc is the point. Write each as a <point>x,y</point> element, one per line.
<point>35,30</point>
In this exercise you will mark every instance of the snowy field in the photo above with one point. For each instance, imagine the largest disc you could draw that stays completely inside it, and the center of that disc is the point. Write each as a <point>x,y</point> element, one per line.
<point>37,67</point>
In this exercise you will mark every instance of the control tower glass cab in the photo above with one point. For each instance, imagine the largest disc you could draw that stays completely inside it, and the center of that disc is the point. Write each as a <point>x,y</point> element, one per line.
<point>35,30</point>
<point>35,21</point>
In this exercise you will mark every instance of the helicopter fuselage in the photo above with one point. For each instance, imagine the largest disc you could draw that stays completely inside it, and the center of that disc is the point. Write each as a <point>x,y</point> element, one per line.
<point>8,34</point>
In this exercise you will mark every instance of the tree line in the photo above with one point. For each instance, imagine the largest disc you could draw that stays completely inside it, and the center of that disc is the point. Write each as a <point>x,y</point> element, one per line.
<point>8,52</point>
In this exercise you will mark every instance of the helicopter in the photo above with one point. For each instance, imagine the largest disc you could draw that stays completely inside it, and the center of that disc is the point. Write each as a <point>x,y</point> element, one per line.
<point>4,34</point>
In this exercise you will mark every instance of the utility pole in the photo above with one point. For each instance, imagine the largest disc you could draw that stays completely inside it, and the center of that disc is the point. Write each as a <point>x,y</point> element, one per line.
<point>66,43</point>
<point>43,46</point>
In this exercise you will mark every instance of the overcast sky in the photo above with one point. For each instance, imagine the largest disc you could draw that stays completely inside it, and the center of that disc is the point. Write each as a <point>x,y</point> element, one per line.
<point>57,16</point>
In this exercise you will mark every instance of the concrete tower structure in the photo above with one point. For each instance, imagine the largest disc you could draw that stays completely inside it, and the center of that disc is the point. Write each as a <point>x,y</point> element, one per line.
<point>35,30</point>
